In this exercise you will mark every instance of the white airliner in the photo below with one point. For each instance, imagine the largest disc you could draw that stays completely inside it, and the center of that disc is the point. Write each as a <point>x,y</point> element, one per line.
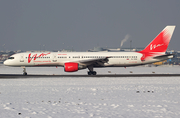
<point>74,61</point>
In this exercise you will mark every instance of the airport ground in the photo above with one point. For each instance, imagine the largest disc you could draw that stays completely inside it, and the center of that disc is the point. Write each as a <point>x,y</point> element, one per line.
<point>52,95</point>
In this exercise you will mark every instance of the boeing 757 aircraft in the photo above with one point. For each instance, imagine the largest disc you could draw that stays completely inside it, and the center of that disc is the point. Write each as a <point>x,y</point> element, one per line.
<point>74,61</point>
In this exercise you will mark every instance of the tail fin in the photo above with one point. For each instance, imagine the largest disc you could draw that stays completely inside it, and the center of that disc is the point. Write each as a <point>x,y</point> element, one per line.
<point>161,42</point>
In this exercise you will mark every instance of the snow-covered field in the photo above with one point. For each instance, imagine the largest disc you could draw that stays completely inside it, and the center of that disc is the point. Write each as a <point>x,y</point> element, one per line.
<point>126,97</point>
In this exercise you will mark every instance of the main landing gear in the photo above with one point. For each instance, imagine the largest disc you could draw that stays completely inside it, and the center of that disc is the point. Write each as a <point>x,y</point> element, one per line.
<point>91,72</point>
<point>24,71</point>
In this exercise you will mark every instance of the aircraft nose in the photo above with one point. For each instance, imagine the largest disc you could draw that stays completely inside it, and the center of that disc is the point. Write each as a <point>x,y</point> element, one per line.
<point>6,63</point>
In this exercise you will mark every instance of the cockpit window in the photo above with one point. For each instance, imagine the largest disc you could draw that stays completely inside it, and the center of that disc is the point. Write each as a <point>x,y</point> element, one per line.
<point>11,58</point>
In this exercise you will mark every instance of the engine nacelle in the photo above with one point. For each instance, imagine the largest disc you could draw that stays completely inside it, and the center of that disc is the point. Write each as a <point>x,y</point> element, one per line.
<point>72,67</point>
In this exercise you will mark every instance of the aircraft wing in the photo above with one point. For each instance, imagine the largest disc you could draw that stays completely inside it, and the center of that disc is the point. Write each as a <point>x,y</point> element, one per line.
<point>96,61</point>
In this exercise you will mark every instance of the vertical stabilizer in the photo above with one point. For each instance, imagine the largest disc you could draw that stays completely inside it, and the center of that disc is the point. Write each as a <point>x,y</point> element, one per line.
<point>161,42</point>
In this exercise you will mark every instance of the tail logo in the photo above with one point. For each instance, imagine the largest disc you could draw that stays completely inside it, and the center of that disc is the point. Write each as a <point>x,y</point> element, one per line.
<point>155,46</point>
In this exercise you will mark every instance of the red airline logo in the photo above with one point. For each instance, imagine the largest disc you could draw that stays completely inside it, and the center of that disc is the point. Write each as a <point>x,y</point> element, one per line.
<point>155,46</point>
<point>35,56</point>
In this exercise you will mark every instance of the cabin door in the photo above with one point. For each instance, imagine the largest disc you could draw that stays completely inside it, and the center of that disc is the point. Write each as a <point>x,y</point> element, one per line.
<point>54,58</point>
<point>22,58</point>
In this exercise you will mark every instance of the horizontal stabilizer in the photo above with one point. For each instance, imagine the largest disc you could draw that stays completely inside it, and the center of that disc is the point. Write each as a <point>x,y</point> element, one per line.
<point>164,57</point>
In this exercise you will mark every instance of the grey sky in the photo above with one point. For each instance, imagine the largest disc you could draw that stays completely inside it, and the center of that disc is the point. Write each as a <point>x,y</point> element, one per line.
<point>84,24</point>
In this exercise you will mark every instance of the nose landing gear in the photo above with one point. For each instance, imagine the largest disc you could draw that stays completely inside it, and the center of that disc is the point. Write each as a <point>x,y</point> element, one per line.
<point>24,71</point>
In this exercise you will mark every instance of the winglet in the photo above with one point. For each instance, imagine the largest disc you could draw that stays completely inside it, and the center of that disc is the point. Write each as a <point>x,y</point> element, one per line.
<point>161,42</point>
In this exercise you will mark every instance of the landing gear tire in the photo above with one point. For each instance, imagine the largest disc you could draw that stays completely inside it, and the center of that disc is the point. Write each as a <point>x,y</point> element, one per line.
<point>92,73</point>
<point>25,73</point>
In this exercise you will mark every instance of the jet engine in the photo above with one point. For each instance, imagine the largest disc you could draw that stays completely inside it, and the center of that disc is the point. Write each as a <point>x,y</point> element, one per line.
<point>72,67</point>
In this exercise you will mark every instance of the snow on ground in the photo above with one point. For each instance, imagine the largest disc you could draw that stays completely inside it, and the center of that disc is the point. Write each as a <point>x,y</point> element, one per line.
<point>125,97</point>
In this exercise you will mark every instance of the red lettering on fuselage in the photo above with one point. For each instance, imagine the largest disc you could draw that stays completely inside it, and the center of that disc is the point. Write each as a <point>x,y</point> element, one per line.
<point>35,56</point>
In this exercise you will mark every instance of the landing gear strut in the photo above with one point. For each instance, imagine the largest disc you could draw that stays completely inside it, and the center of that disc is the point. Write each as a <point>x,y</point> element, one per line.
<point>24,71</point>
<point>91,72</point>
